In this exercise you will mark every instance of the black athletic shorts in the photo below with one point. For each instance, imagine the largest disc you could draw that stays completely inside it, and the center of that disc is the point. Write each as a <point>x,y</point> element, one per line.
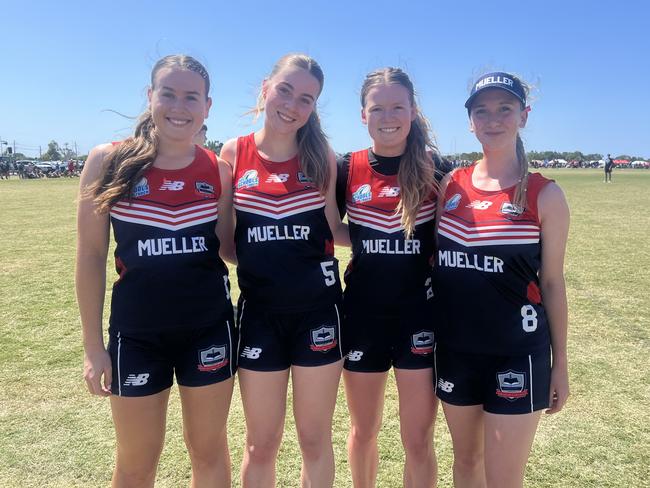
<point>376,343</point>
<point>145,363</point>
<point>502,384</point>
<point>273,341</point>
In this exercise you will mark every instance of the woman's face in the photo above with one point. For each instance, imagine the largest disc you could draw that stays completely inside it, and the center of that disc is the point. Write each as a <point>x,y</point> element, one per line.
<point>388,113</point>
<point>178,103</point>
<point>496,117</point>
<point>290,98</point>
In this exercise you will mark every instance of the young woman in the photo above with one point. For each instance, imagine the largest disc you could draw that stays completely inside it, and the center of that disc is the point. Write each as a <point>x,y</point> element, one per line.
<point>170,307</point>
<point>501,356</point>
<point>389,192</point>
<point>289,311</point>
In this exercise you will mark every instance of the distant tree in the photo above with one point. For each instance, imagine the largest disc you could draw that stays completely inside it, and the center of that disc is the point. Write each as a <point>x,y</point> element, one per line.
<point>214,146</point>
<point>53,152</point>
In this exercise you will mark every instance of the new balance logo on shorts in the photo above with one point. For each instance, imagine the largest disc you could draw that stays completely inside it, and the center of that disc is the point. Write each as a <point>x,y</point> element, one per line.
<point>445,386</point>
<point>355,355</point>
<point>136,380</point>
<point>251,352</point>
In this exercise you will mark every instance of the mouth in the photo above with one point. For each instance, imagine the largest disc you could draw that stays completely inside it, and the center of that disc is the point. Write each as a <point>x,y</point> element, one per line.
<point>285,118</point>
<point>388,130</point>
<point>178,122</point>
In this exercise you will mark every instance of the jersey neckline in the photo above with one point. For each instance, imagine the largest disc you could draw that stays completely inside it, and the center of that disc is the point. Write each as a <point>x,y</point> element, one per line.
<point>268,161</point>
<point>184,168</point>
<point>507,189</point>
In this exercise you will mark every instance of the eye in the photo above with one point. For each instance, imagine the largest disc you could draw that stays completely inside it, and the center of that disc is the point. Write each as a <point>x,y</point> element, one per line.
<point>283,90</point>
<point>506,108</point>
<point>192,98</point>
<point>168,95</point>
<point>375,109</point>
<point>306,100</point>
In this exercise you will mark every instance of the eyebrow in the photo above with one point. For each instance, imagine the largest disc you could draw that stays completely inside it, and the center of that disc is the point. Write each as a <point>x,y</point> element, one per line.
<point>192,92</point>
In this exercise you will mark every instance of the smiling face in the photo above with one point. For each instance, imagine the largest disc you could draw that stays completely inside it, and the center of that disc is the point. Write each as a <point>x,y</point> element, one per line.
<point>178,102</point>
<point>289,98</point>
<point>388,113</point>
<point>496,117</point>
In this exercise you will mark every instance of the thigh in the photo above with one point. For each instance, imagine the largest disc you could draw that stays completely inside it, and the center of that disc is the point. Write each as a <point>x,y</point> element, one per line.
<point>418,404</point>
<point>315,336</point>
<point>508,439</point>
<point>466,428</point>
<point>314,395</point>
<point>264,397</point>
<point>205,356</point>
<point>205,414</point>
<point>369,343</point>
<point>517,385</point>
<point>139,428</point>
<point>262,345</point>
<point>141,365</point>
<point>365,393</point>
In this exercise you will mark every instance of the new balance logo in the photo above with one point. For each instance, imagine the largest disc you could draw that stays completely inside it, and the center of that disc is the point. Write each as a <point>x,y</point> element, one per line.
<point>251,352</point>
<point>479,204</point>
<point>445,386</point>
<point>172,185</point>
<point>355,355</point>
<point>136,380</point>
<point>277,178</point>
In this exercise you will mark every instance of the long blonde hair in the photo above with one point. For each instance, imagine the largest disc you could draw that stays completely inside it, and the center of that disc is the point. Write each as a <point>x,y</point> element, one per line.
<point>417,167</point>
<point>313,148</point>
<point>126,164</point>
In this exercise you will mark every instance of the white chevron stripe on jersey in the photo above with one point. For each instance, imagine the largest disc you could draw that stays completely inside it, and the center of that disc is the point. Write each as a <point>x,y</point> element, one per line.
<point>496,234</point>
<point>387,223</point>
<point>278,208</point>
<point>155,216</point>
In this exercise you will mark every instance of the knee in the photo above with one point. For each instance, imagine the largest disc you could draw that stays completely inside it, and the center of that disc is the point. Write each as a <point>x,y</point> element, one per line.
<point>133,476</point>
<point>207,455</point>
<point>469,461</point>
<point>263,450</point>
<point>364,435</point>
<point>418,445</point>
<point>314,443</point>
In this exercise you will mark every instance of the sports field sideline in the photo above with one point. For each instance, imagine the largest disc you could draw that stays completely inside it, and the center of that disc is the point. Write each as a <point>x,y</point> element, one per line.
<point>54,434</point>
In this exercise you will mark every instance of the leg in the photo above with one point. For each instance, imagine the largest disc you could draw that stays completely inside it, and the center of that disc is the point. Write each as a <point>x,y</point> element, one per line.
<point>314,397</point>
<point>417,412</point>
<point>140,432</point>
<point>508,439</point>
<point>264,396</point>
<point>205,414</point>
<point>365,397</point>
<point>466,428</point>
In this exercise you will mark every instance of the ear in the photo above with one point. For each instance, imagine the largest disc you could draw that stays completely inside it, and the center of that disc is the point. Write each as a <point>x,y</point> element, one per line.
<point>265,87</point>
<point>208,105</point>
<point>414,112</point>
<point>149,94</point>
<point>524,118</point>
<point>364,120</point>
<point>471,125</point>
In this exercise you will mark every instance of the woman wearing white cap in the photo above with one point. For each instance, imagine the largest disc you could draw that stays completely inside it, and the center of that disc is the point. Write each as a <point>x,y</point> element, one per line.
<point>501,355</point>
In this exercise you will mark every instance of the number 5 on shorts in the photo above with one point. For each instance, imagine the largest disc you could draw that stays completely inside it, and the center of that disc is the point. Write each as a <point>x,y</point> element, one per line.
<point>330,278</point>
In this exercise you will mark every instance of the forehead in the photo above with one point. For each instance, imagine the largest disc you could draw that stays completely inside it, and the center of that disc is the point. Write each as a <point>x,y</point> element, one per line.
<point>300,79</point>
<point>179,79</point>
<point>494,95</point>
<point>386,94</point>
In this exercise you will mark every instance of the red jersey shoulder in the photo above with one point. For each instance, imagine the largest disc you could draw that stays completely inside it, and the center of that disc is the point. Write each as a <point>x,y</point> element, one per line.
<point>367,187</point>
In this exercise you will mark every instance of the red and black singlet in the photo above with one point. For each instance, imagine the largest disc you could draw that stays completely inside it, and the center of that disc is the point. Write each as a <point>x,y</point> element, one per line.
<point>167,253</point>
<point>487,265</point>
<point>285,247</point>
<point>387,271</point>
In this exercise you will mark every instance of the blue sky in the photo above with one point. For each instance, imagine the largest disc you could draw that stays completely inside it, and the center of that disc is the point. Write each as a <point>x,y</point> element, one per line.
<point>63,64</point>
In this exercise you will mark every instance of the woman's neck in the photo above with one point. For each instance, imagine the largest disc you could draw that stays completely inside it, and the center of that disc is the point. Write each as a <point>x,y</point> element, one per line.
<point>174,155</point>
<point>276,146</point>
<point>498,169</point>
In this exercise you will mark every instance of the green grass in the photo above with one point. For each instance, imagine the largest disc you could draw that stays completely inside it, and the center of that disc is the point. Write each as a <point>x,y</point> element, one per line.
<point>54,434</point>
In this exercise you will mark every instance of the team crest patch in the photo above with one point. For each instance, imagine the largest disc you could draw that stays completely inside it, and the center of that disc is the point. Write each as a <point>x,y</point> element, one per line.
<point>422,342</point>
<point>303,178</point>
<point>511,209</point>
<point>363,194</point>
<point>141,188</point>
<point>213,358</point>
<point>323,339</point>
<point>249,179</point>
<point>204,188</point>
<point>511,385</point>
<point>389,191</point>
<point>453,202</point>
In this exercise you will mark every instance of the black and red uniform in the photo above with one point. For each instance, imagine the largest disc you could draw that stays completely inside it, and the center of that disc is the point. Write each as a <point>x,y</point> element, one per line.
<point>388,280</point>
<point>171,303</point>
<point>287,271</point>
<point>488,299</point>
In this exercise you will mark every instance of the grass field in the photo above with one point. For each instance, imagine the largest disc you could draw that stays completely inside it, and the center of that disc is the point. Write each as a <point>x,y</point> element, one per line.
<point>54,434</point>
